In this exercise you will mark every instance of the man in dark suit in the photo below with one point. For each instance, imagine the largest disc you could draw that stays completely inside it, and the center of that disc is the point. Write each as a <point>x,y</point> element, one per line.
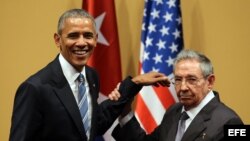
<point>46,105</point>
<point>205,116</point>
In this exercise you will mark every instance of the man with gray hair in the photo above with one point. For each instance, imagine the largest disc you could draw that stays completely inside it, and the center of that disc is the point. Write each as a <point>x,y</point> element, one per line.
<point>199,114</point>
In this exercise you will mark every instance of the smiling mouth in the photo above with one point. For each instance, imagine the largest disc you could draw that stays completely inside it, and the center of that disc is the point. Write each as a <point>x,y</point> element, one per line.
<point>80,52</point>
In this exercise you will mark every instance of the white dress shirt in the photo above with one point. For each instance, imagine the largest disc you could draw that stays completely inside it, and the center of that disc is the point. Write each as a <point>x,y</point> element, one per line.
<point>71,75</point>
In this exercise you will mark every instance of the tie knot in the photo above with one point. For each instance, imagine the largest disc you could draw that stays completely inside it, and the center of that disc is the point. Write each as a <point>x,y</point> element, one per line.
<point>81,78</point>
<point>184,116</point>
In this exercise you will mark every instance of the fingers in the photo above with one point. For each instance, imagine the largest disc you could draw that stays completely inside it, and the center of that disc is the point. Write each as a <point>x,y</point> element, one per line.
<point>152,78</point>
<point>164,81</point>
<point>160,79</point>
<point>114,95</point>
<point>156,84</point>
<point>118,85</point>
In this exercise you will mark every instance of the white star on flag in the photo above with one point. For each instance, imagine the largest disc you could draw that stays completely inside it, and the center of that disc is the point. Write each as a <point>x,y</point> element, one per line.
<point>101,39</point>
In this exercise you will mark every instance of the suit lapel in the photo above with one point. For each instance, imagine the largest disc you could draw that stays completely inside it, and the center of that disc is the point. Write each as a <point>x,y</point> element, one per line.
<point>66,96</point>
<point>199,123</point>
<point>64,93</point>
<point>94,91</point>
<point>93,84</point>
<point>195,128</point>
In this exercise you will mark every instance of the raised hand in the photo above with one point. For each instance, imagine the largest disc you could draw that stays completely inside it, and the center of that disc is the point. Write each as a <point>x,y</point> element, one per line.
<point>152,78</point>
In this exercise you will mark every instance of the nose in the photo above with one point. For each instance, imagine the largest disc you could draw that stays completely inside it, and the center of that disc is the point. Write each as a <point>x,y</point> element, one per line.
<point>81,41</point>
<point>184,85</point>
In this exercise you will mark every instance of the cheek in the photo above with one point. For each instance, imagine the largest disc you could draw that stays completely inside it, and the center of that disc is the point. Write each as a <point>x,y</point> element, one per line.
<point>177,90</point>
<point>93,45</point>
<point>63,48</point>
<point>68,44</point>
<point>93,42</point>
<point>198,95</point>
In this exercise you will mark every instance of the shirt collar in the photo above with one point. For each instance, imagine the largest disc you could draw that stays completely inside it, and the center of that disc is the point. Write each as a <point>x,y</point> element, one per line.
<point>69,71</point>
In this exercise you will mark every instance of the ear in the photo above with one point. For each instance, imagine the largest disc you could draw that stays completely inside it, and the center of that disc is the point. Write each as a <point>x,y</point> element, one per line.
<point>211,80</point>
<point>57,39</point>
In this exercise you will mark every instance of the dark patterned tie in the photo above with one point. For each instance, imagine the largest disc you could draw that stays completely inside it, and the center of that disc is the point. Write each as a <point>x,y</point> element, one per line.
<point>181,126</point>
<point>83,102</point>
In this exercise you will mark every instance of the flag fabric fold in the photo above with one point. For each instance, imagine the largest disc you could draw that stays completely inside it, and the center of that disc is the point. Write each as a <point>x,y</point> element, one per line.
<point>106,57</point>
<point>161,41</point>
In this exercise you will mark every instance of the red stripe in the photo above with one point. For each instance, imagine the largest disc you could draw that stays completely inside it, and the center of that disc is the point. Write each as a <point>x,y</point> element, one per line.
<point>144,115</point>
<point>164,96</point>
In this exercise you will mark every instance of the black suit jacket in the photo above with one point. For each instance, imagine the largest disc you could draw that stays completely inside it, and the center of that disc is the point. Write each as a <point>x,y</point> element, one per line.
<point>46,110</point>
<point>206,126</point>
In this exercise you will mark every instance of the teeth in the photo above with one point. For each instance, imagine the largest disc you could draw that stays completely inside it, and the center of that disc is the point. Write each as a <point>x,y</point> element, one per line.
<point>80,52</point>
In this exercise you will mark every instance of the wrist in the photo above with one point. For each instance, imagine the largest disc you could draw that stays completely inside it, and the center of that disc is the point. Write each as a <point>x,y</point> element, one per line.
<point>136,80</point>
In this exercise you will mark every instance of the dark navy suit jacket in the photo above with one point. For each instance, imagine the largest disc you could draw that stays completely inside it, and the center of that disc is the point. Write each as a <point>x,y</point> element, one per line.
<point>46,110</point>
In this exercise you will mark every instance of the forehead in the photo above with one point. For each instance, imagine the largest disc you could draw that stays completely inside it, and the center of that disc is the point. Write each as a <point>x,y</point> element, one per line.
<point>78,20</point>
<point>78,23</point>
<point>190,67</point>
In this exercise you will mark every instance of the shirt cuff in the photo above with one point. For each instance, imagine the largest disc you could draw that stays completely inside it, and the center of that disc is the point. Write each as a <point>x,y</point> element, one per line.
<point>126,119</point>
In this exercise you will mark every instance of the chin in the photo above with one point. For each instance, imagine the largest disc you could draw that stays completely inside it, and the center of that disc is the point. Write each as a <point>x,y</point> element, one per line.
<point>185,102</point>
<point>80,62</point>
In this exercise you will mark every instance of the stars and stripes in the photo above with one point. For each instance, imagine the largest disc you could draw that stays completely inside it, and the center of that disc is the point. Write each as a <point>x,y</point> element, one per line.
<point>161,41</point>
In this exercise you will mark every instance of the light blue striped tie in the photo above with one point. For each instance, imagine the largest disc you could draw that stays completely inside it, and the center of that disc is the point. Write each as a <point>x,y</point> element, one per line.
<point>83,102</point>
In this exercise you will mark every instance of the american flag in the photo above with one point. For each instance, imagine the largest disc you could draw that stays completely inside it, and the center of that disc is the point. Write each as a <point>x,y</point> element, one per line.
<point>161,41</point>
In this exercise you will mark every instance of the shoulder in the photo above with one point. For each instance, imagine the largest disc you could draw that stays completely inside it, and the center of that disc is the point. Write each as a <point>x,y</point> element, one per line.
<point>225,113</point>
<point>221,109</point>
<point>47,74</point>
<point>218,111</point>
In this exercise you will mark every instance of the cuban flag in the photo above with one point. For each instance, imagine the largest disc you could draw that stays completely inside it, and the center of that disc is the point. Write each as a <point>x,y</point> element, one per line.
<point>106,57</point>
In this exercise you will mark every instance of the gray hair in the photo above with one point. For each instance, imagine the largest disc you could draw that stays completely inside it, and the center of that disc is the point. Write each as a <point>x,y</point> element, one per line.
<point>205,64</point>
<point>72,13</point>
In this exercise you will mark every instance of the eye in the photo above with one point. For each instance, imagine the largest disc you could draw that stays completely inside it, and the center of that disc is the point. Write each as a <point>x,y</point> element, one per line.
<point>88,35</point>
<point>192,80</point>
<point>73,35</point>
<point>177,80</point>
